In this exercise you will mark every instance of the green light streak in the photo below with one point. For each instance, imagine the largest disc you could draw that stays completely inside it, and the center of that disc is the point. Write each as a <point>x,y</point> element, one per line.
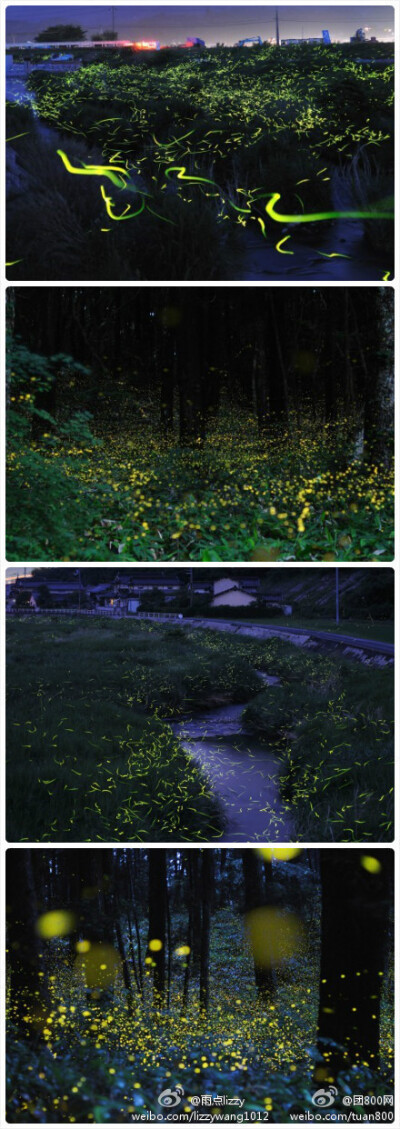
<point>175,140</point>
<point>95,170</point>
<point>163,218</point>
<point>314,217</point>
<point>127,214</point>
<point>15,135</point>
<point>12,262</point>
<point>181,170</point>
<point>333,255</point>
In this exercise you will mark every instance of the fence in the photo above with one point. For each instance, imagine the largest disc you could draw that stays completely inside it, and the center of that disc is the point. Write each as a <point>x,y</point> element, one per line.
<point>64,611</point>
<point>110,612</point>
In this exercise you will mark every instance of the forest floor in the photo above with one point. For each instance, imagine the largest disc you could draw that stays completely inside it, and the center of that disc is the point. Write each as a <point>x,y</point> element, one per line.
<point>92,749</point>
<point>297,495</point>
<point>92,1060</point>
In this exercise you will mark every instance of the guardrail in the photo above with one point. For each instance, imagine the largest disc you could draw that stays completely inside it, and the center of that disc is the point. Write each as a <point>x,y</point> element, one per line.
<point>159,615</point>
<point>65,611</point>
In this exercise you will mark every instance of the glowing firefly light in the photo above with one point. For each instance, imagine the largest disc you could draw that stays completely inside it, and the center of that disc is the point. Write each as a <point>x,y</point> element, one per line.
<point>313,217</point>
<point>333,255</point>
<point>127,214</point>
<point>95,170</point>
<point>278,246</point>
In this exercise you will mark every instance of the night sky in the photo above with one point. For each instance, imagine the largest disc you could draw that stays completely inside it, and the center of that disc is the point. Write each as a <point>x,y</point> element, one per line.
<point>214,23</point>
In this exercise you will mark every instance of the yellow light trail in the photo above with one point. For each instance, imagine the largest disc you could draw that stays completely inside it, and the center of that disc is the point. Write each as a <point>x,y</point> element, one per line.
<point>95,170</point>
<point>278,246</point>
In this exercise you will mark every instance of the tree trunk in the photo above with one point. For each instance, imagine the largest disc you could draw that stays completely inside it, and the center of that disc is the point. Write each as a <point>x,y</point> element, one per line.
<point>254,897</point>
<point>354,922</point>
<point>379,398</point>
<point>28,992</point>
<point>157,919</point>
<point>206,894</point>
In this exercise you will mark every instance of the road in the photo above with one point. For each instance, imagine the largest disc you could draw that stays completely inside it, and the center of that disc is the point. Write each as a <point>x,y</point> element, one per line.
<point>374,646</point>
<point>238,627</point>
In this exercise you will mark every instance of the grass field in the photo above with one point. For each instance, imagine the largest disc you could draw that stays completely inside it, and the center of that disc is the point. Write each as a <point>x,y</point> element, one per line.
<point>91,755</point>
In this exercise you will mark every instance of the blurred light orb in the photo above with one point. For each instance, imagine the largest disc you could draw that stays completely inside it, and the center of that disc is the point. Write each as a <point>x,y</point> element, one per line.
<point>275,935</point>
<point>55,923</point>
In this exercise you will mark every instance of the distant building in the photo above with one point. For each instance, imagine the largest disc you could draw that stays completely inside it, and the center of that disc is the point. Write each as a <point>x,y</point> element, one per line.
<point>359,36</point>
<point>230,593</point>
<point>315,41</point>
<point>295,43</point>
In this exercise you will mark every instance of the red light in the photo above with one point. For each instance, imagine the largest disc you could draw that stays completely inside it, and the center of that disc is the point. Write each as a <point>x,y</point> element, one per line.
<point>146,45</point>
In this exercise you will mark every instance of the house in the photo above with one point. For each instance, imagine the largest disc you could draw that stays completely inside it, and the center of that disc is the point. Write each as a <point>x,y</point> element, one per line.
<point>230,593</point>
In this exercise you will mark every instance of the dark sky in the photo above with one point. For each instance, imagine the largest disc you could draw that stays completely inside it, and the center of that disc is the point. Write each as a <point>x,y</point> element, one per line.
<point>172,23</point>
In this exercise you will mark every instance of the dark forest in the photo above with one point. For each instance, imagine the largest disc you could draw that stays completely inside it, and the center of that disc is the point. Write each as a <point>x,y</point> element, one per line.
<point>200,424</point>
<point>249,980</point>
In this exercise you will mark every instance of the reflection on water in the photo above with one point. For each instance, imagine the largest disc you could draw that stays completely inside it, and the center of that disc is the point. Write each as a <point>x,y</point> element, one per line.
<point>244,775</point>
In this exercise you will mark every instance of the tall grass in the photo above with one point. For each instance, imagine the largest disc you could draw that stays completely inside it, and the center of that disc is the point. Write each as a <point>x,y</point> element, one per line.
<point>91,755</point>
<point>333,732</point>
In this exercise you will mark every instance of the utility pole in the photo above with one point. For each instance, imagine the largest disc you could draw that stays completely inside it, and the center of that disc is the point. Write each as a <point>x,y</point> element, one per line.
<point>113,19</point>
<point>277,27</point>
<point>191,587</point>
<point>337,595</point>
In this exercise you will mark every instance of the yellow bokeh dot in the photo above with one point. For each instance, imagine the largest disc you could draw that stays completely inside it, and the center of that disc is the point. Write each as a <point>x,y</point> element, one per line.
<point>371,864</point>
<point>55,923</point>
<point>284,853</point>
<point>82,946</point>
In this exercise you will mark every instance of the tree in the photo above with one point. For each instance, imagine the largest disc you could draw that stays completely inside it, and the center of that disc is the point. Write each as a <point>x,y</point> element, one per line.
<point>379,400</point>
<point>152,601</point>
<point>105,36</point>
<point>354,927</point>
<point>24,948</point>
<point>44,599</point>
<point>22,598</point>
<point>254,897</point>
<point>60,33</point>
<point>155,956</point>
<point>207,870</point>
<point>179,359</point>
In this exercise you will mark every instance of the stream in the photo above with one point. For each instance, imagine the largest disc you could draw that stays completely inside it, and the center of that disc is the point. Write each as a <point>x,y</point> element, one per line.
<point>243,774</point>
<point>298,259</point>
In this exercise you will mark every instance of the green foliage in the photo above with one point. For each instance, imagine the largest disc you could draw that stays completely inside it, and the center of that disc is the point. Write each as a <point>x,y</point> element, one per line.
<point>59,32</point>
<point>245,125</point>
<point>297,494</point>
<point>93,742</point>
<point>332,723</point>
<point>88,703</point>
<point>40,500</point>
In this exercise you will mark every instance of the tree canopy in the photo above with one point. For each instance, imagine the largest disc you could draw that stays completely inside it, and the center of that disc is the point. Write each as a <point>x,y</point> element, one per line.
<point>59,33</point>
